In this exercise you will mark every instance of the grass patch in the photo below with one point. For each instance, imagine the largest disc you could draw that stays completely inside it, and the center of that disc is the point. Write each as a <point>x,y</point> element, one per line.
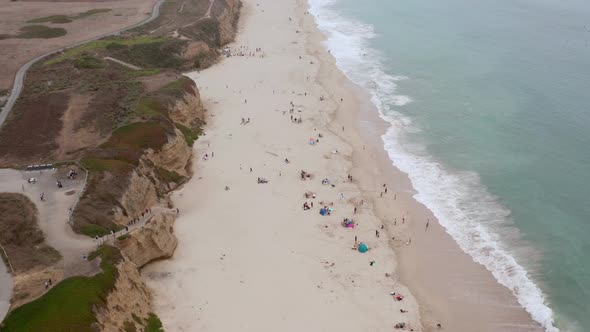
<point>145,72</point>
<point>56,19</point>
<point>102,165</point>
<point>102,44</point>
<point>63,19</point>
<point>139,135</point>
<point>179,87</point>
<point>93,230</point>
<point>153,324</point>
<point>69,305</point>
<point>91,12</point>
<point>149,107</point>
<point>89,62</point>
<point>129,327</point>
<point>190,136</point>
<point>40,31</point>
<point>123,237</point>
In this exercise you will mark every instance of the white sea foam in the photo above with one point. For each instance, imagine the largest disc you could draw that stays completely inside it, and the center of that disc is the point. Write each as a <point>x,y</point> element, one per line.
<point>463,206</point>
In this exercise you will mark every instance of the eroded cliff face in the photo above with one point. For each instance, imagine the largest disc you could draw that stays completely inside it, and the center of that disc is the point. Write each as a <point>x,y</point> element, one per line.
<point>129,302</point>
<point>140,194</point>
<point>228,20</point>
<point>175,155</point>
<point>189,110</point>
<point>154,241</point>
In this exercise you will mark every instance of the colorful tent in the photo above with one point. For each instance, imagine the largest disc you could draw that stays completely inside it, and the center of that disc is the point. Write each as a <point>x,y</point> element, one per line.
<point>363,248</point>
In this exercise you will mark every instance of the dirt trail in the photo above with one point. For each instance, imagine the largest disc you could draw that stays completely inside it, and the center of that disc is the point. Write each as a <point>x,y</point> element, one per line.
<point>123,63</point>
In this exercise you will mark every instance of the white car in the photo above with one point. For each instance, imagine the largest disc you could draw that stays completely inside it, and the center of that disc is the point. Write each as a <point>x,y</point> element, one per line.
<point>32,180</point>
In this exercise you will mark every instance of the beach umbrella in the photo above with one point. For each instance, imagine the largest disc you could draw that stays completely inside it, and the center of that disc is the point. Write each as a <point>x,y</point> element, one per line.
<point>363,247</point>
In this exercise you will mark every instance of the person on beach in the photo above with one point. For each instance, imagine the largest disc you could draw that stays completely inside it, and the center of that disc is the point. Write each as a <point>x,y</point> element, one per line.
<point>355,210</point>
<point>377,233</point>
<point>427,224</point>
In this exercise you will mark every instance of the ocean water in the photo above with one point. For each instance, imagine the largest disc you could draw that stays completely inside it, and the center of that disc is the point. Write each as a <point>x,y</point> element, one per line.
<point>489,106</point>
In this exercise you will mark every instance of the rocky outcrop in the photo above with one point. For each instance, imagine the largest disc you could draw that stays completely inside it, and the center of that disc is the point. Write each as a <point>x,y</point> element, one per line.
<point>154,241</point>
<point>128,303</point>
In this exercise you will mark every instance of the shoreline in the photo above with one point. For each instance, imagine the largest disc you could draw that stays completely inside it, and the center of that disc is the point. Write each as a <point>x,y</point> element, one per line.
<point>433,266</point>
<point>417,266</point>
<point>429,266</point>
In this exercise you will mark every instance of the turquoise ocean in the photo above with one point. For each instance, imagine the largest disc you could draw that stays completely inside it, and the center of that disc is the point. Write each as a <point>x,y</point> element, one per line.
<point>489,106</point>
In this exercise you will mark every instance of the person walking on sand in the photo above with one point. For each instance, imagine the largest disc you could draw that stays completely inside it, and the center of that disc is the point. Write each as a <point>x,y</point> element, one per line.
<point>427,224</point>
<point>355,241</point>
<point>355,210</point>
<point>377,233</point>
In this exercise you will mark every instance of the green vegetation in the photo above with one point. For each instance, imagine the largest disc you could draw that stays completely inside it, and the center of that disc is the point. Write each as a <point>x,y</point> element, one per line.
<point>91,12</point>
<point>139,135</point>
<point>136,319</point>
<point>93,230</point>
<point>179,87</point>
<point>102,44</point>
<point>63,19</point>
<point>190,136</point>
<point>123,237</point>
<point>153,324</point>
<point>168,176</point>
<point>40,31</point>
<point>160,54</point>
<point>150,106</point>
<point>56,19</point>
<point>100,165</point>
<point>89,62</point>
<point>129,327</point>
<point>69,305</point>
<point>145,72</point>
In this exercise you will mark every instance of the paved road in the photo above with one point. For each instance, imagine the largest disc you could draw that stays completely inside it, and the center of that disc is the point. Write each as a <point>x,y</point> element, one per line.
<point>21,73</point>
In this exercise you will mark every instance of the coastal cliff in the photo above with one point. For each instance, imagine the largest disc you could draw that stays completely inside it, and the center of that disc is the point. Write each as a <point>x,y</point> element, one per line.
<point>133,133</point>
<point>152,242</point>
<point>128,304</point>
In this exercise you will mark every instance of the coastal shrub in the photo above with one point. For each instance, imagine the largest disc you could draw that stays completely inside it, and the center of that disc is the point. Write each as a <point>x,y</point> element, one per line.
<point>40,31</point>
<point>62,19</point>
<point>93,230</point>
<point>144,72</point>
<point>168,176</point>
<point>91,12</point>
<point>115,46</point>
<point>111,165</point>
<point>56,19</point>
<point>178,88</point>
<point>101,44</point>
<point>69,306</point>
<point>89,62</point>
<point>153,324</point>
<point>149,107</point>
<point>190,136</point>
<point>139,135</point>
<point>161,54</point>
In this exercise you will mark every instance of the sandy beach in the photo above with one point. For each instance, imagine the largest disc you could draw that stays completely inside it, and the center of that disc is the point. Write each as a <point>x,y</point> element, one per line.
<point>250,258</point>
